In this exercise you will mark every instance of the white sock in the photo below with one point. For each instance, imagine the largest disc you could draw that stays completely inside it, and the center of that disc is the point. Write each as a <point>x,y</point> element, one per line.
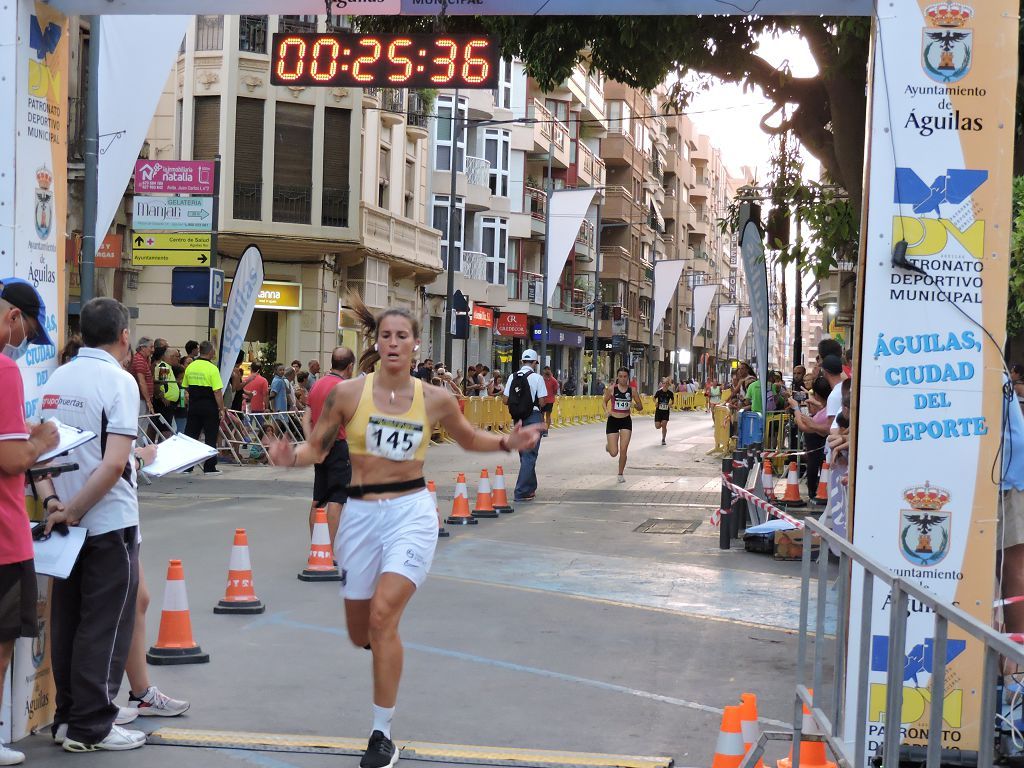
<point>382,719</point>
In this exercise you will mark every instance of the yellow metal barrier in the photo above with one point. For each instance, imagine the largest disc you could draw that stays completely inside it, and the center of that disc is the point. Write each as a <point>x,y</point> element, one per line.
<point>723,421</point>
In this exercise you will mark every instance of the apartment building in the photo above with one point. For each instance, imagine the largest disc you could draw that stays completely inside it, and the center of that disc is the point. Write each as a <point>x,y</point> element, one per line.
<point>329,183</point>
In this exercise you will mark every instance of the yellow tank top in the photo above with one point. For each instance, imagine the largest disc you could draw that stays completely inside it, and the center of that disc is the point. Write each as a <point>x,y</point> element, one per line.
<point>398,437</point>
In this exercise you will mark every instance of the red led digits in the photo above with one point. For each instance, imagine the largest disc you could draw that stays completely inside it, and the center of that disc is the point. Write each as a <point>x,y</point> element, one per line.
<point>447,61</point>
<point>370,58</point>
<point>476,68</point>
<point>404,61</point>
<point>282,58</point>
<point>315,69</point>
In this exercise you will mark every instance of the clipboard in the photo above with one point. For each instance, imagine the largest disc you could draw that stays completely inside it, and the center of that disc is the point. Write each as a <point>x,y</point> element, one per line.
<point>176,453</point>
<point>57,555</point>
<point>70,438</point>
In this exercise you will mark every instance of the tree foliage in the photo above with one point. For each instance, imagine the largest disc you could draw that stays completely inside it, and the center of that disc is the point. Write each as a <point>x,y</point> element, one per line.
<point>1015,303</point>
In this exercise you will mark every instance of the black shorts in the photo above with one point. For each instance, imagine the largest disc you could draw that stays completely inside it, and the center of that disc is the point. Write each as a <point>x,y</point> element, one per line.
<point>547,407</point>
<point>617,424</point>
<point>18,597</point>
<point>660,415</point>
<point>332,477</point>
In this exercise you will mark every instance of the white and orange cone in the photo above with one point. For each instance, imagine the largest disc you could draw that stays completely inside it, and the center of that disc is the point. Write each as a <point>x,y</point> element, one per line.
<point>768,480</point>
<point>792,496</point>
<point>320,563</point>
<point>498,494</point>
<point>729,750</point>
<point>812,753</point>
<point>441,532</point>
<point>484,505</point>
<point>174,643</point>
<point>240,595</point>
<point>821,498</point>
<point>460,504</point>
<point>749,726</point>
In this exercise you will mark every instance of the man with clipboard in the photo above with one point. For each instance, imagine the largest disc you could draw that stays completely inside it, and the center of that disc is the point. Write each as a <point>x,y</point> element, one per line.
<point>22,322</point>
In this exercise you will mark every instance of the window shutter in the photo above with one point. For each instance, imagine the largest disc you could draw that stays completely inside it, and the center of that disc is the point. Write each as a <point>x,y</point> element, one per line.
<point>206,128</point>
<point>293,163</point>
<point>337,127</point>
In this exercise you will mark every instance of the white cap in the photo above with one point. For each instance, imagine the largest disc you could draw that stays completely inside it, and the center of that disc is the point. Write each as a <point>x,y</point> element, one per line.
<point>529,356</point>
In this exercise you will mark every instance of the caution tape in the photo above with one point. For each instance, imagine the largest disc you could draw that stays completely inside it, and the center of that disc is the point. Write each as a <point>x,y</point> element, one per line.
<point>758,502</point>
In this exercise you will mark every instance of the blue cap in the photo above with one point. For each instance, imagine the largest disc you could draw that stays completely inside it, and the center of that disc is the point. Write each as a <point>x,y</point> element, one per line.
<point>23,295</point>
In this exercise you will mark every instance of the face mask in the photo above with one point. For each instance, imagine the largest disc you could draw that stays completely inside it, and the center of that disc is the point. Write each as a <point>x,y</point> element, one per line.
<point>16,352</point>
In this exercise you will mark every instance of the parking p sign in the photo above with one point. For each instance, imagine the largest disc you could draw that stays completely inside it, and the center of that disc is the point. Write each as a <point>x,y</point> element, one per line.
<point>216,289</point>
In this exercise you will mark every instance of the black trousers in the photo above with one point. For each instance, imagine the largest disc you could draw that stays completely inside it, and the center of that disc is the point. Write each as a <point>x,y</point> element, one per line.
<point>815,444</point>
<point>92,619</point>
<point>204,418</point>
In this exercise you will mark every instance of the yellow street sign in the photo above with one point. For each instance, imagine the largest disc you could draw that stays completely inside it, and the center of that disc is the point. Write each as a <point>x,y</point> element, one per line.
<point>167,249</point>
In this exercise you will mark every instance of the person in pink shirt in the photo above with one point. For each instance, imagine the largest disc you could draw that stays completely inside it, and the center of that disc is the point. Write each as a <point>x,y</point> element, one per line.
<point>548,403</point>
<point>256,389</point>
<point>22,322</point>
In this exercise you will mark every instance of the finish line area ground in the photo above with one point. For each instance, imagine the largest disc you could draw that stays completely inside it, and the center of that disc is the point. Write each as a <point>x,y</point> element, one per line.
<point>556,636</point>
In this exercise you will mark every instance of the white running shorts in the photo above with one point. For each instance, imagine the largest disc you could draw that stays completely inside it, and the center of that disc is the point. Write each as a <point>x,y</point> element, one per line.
<point>385,536</point>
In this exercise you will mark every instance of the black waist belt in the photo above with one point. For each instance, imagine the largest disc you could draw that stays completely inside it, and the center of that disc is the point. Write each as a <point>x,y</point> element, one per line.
<point>359,491</point>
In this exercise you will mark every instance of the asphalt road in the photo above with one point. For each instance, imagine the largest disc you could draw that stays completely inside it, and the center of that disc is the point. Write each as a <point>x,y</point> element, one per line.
<point>559,627</point>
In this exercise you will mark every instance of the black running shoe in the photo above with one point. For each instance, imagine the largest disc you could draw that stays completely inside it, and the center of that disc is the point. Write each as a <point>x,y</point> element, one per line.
<point>380,752</point>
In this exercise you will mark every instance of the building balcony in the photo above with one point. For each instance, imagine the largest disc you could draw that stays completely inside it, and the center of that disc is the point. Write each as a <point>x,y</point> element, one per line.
<point>413,249</point>
<point>618,151</point>
<point>372,97</point>
<point>334,208</point>
<point>701,187</point>
<point>247,202</point>
<point>292,204</point>
<point>549,134</point>
<point>209,33</point>
<point>478,183</point>
<point>615,262</point>
<point>535,203</point>
<point>473,265</point>
<point>619,205</point>
<point>252,34</point>
<point>298,24</point>
<point>526,286</point>
<point>392,106</point>
<point>417,121</point>
<point>590,168</point>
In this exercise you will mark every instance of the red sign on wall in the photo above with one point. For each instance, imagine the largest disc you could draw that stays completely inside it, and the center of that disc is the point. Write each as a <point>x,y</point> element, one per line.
<point>482,316</point>
<point>174,177</point>
<point>513,324</point>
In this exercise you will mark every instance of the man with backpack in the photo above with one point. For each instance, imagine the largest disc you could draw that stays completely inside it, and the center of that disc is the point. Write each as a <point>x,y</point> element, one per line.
<point>524,391</point>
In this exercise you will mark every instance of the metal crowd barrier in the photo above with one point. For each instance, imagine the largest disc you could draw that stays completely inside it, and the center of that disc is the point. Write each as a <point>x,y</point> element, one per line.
<point>830,715</point>
<point>246,435</point>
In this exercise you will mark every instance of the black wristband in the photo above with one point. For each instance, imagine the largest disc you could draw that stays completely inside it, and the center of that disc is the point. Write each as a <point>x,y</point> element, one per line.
<point>48,499</point>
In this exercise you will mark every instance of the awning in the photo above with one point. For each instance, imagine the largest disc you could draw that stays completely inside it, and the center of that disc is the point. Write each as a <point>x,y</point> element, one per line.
<point>657,220</point>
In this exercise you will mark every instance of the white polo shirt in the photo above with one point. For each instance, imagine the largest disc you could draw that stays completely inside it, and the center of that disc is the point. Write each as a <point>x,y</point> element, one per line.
<point>94,392</point>
<point>536,382</point>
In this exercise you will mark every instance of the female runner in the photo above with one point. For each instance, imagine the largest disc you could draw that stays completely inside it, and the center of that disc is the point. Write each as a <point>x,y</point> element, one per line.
<point>618,398</point>
<point>388,533</point>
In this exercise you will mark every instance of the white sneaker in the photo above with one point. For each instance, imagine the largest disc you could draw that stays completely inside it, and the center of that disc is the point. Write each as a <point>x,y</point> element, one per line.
<point>10,756</point>
<point>153,703</point>
<point>125,715</point>
<point>60,734</point>
<point>621,479</point>
<point>118,740</point>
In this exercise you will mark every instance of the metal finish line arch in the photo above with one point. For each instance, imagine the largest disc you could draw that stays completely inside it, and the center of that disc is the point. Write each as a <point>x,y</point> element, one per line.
<point>928,364</point>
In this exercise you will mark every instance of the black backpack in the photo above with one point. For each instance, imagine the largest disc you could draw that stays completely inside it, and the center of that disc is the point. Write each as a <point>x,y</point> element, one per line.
<point>520,397</point>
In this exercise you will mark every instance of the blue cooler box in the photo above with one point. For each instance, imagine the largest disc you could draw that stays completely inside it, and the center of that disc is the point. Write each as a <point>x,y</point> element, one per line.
<point>751,429</point>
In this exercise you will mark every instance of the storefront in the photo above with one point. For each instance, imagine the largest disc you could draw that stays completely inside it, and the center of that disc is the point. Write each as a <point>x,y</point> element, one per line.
<point>481,324</point>
<point>273,333</point>
<point>564,351</point>
<point>511,337</point>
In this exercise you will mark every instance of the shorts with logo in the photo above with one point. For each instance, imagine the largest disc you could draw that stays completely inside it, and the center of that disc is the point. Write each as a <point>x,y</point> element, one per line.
<point>18,596</point>
<point>385,536</point>
<point>616,424</point>
<point>332,477</point>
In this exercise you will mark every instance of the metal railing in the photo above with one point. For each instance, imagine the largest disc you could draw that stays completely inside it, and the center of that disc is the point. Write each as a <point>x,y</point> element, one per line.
<point>478,171</point>
<point>248,201</point>
<point>586,233</point>
<point>334,207</point>
<point>829,713</point>
<point>392,100</point>
<point>298,24</point>
<point>246,435</point>
<point>536,202</point>
<point>209,33</point>
<point>252,34</point>
<point>525,286</point>
<point>416,116</point>
<point>292,204</point>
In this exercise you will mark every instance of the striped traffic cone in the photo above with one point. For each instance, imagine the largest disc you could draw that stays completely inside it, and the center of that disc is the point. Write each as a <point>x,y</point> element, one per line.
<point>768,480</point>
<point>749,726</point>
<point>320,563</point>
<point>441,532</point>
<point>792,496</point>
<point>821,498</point>
<point>499,497</point>
<point>812,753</point>
<point>729,750</point>
<point>484,506</point>
<point>460,504</point>
<point>240,595</point>
<point>174,643</point>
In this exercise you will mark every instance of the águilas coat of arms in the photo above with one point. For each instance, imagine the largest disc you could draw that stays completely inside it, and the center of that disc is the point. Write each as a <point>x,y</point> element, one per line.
<point>925,527</point>
<point>946,48</point>
<point>44,203</point>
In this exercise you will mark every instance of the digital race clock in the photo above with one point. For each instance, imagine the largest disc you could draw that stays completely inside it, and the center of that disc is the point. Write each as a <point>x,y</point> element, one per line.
<point>385,61</point>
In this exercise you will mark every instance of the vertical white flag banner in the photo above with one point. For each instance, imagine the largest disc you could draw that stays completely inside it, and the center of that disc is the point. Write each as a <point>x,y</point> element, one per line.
<point>245,287</point>
<point>752,252</point>
<point>703,295</point>
<point>666,284</point>
<point>136,56</point>
<point>566,211</point>
<point>726,315</point>
<point>742,329</point>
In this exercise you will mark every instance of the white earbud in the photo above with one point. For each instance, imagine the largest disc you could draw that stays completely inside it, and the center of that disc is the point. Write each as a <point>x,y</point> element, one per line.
<point>416,348</point>
<point>376,348</point>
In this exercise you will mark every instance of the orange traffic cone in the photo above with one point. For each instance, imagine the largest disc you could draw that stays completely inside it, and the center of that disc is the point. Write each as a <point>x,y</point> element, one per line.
<point>812,753</point>
<point>768,480</point>
<point>484,505</point>
<point>320,564</point>
<point>821,498</point>
<point>498,495</point>
<point>749,725</point>
<point>441,532</point>
<point>792,496</point>
<point>174,643</point>
<point>240,596</point>
<point>460,504</point>
<point>729,750</point>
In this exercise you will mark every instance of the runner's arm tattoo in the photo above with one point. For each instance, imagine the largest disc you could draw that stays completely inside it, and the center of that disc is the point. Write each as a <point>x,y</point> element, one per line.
<point>332,418</point>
